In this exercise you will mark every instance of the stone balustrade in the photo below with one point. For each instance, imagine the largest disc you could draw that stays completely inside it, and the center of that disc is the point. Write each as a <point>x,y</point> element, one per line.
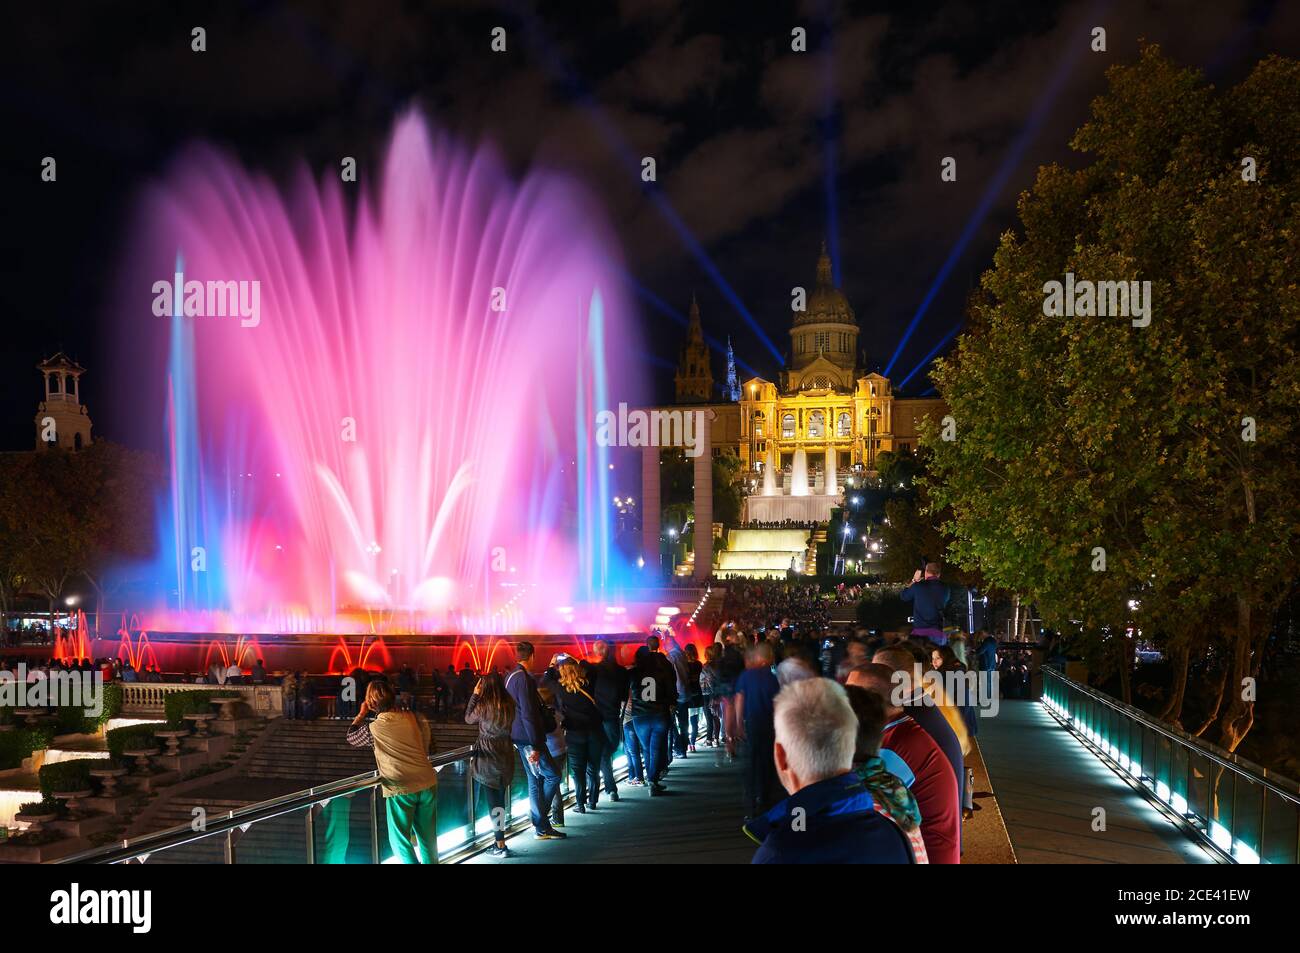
<point>145,698</point>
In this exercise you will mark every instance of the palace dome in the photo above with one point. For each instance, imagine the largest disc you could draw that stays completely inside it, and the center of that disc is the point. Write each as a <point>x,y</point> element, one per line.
<point>826,304</point>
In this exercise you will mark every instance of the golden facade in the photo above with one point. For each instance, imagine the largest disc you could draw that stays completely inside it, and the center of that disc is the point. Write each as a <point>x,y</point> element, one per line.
<point>822,400</point>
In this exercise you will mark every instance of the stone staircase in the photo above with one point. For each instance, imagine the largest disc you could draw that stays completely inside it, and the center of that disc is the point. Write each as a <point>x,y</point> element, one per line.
<point>314,752</point>
<point>810,558</point>
<point>295,755</point>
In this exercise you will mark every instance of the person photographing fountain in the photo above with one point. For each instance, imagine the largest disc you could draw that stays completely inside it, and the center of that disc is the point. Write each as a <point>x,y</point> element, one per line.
<point>928,595</point>
<point>401,741</point>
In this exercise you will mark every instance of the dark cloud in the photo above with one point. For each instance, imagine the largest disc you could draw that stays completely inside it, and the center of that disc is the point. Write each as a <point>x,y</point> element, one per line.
<point>736,121</point>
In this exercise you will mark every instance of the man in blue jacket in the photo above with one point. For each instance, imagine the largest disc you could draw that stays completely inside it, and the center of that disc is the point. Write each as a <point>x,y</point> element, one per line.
<point>528,733</point>
<point>928,597</point>
<point>829,817</point>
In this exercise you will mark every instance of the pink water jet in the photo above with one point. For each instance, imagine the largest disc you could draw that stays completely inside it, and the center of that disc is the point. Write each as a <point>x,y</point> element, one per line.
<point>406,427</point>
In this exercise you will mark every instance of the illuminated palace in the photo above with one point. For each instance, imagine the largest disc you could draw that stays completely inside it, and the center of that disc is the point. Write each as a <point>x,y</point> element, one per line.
<point>825,419</point>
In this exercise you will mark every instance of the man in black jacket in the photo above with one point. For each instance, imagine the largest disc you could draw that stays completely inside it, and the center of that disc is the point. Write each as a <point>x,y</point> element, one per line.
<point>528,733</point>
<point>653,689</point>
<point>609,688</point>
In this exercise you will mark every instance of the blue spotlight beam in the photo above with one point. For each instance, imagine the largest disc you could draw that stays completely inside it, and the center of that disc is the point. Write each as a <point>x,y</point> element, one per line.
<point>1010,162</point>
<point>925,361</point>
<point>830,127</point>
<point>663,307</point>
<point>536,32</point>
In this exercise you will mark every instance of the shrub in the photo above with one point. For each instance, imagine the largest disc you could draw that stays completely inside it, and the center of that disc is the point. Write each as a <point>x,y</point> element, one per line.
<point>19,744</point>
<point>46,805</point>
<point>72,719</point>
<point>131,737</point>
<point>66,776</point>
<point>176,705</point>
<point>112,704</point>
<point>882,610</point>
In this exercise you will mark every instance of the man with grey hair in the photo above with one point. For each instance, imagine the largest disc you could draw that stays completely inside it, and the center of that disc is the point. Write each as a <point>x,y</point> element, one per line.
<point>793,669</point>
<point>829,817</point>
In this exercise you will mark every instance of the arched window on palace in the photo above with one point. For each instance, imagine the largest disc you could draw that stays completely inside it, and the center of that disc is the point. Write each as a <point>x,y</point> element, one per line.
<point>843,426</point>
<point>787,426</point>
<point>817,424</point>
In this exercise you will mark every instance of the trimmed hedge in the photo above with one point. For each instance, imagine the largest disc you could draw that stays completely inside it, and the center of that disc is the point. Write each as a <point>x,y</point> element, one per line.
<point>72,719</point>
<point>19,744</point>
<point>883,610</point>
<point>112,704</point>
<point>46,805</point>
<point>130,737</point>
<point>176,705</point>
<point>66,776</point>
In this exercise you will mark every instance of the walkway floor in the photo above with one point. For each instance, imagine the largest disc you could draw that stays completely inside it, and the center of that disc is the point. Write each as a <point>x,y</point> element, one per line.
<point>1047,785</point>
<point>984,837</point>
<point>697,822</point>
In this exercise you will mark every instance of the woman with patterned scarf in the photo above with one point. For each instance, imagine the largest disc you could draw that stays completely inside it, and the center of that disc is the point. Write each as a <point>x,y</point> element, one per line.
<point>888,792</point>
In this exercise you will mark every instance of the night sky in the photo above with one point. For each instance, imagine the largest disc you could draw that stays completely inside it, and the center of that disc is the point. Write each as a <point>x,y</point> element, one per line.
<point>761,152</point>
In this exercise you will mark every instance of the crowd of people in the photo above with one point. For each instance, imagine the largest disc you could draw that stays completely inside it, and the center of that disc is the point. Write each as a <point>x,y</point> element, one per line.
<point>763,604</point>
<point>845,756</point>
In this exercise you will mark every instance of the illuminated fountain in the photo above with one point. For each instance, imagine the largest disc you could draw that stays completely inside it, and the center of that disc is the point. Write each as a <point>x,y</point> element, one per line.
<point>390,428</point>
<point>799,473</point>
<point>74,646</point>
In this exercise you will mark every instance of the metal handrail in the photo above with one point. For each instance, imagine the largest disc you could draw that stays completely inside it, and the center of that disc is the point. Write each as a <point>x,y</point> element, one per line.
<point>1256,773</point>
<point>1208,803</point>
<point>248,815</point>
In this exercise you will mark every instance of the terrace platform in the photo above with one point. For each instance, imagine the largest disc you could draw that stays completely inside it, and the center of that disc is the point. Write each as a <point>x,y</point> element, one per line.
<point>697,822</point>
<point>1047,785</point>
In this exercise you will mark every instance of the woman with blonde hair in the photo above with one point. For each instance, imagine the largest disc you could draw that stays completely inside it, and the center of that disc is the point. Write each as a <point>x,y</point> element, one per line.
<point>493,710</point>
<point>584,732</point>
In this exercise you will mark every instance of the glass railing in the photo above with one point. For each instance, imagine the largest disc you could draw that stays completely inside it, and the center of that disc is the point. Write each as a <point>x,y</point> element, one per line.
<point>342,822</point>
<point>1243,812</point>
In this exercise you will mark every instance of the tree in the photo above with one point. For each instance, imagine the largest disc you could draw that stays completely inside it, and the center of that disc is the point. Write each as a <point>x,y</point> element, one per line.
<point>58,522</point>
<point>897,471</point>
<point>1143,475</point>
<point>15,512</point>
<point>65,514</point>
<point>125,484</point>
<point>677,476</point>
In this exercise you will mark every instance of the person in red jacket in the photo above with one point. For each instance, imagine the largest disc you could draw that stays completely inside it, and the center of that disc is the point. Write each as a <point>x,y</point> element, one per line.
<point>935,785</point>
